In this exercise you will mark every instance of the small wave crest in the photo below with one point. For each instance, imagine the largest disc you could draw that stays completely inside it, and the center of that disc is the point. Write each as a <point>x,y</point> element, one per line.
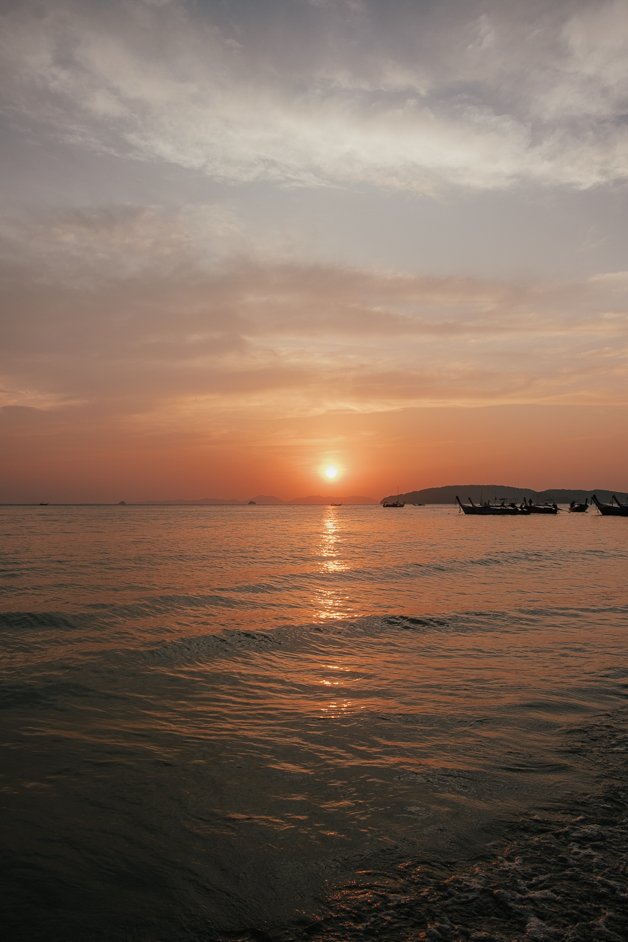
<point>36,621</point>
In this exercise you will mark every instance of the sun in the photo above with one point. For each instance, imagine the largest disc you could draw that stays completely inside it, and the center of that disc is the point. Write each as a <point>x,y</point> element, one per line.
<point>331,472</point>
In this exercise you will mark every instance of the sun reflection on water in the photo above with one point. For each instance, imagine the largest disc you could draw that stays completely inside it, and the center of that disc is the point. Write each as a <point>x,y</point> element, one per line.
<point>337,708</point>
<point>339,681</point>
<point>330,602</point>
<point>330,542</point>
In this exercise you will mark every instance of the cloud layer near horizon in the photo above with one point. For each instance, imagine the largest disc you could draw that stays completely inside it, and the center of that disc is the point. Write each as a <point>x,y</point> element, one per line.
<point>170,323</point>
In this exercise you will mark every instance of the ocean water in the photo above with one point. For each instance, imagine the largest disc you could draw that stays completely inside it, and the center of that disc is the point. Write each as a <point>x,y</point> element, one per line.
<point>329,723</point>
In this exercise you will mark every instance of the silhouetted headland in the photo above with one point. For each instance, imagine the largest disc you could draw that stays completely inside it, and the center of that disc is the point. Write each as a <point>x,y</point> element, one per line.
<point>481,492</point>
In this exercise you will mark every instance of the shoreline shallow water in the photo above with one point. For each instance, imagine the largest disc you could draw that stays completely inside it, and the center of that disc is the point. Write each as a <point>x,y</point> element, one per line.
<point>280,723</point>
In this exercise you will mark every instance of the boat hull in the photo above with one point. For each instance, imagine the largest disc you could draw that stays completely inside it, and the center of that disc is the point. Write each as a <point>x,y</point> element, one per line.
<point>492,510</point>
<point>610,510</point>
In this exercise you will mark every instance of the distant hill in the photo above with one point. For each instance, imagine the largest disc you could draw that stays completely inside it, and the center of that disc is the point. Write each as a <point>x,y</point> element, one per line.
<point>317,499</point>
<point>479,492</point>
<point>192,501</point>
<point>267,499</point>
<point>264,500</point>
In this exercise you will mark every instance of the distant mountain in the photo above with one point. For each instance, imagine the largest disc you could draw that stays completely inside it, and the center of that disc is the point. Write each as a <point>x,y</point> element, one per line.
<point>263,500</point>
<point>184,501</point>
<point>479,492</point>
<point>317,499</point>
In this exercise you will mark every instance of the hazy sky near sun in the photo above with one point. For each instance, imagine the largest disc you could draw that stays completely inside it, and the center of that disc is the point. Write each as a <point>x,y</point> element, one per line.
<point>243,238</point>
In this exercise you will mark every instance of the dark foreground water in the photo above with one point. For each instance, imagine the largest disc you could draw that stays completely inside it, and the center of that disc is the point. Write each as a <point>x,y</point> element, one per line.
<point>312,723</point>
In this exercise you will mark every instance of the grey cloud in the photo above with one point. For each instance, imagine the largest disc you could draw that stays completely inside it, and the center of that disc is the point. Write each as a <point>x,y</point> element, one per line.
<point>479,95</point>
<point>86,245</point>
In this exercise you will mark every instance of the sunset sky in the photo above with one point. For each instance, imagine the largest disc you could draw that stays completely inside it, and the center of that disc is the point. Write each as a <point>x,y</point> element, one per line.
<point>241,240</point>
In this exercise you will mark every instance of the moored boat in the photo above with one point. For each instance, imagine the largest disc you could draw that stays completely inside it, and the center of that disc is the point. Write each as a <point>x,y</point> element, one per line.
<point>616,509</point>
<point>493,510</point>
<point>578,507</point>
<point>393,502</point>
<point>545,508</point>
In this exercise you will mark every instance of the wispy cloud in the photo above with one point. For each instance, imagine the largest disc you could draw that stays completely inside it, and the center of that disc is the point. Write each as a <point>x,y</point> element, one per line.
<point>471,95</point>
<point>175,326</point>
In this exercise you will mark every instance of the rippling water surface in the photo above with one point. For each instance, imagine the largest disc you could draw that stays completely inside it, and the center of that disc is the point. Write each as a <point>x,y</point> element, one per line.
<point>270,723</point>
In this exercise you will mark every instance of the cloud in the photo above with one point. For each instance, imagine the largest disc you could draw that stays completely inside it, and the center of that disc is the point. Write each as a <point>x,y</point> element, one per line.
<point>88,244</point>
<point>482,96</point>
<point>124,315</point>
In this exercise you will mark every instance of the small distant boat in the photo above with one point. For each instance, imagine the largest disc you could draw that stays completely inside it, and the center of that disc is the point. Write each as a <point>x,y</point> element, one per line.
<point>577,507</point>
<point>486,509</point>
<point>43,503</point>
<point>616,509</point>
<point>545,508</point>
<point>252,503</point>
<point>393,502</point>
<point>335,505</point>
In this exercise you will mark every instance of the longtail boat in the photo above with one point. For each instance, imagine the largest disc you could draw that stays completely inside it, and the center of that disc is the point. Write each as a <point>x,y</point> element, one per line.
<point>615,509</point>
<point>495,510</point>
<point>577,507</point>
<point>545,508</point>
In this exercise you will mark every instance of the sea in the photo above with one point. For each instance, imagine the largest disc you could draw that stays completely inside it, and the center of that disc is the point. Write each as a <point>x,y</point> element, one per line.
<point>281,723</point>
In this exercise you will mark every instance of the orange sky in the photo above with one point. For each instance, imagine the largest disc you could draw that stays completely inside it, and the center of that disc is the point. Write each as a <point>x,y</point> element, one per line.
<point>240,241</point>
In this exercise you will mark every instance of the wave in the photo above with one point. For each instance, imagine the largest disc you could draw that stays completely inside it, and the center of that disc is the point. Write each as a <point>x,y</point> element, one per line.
<point>204,647</point>
<point>241,639</point>
<point>43,620</point>
<point>556,874</point>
